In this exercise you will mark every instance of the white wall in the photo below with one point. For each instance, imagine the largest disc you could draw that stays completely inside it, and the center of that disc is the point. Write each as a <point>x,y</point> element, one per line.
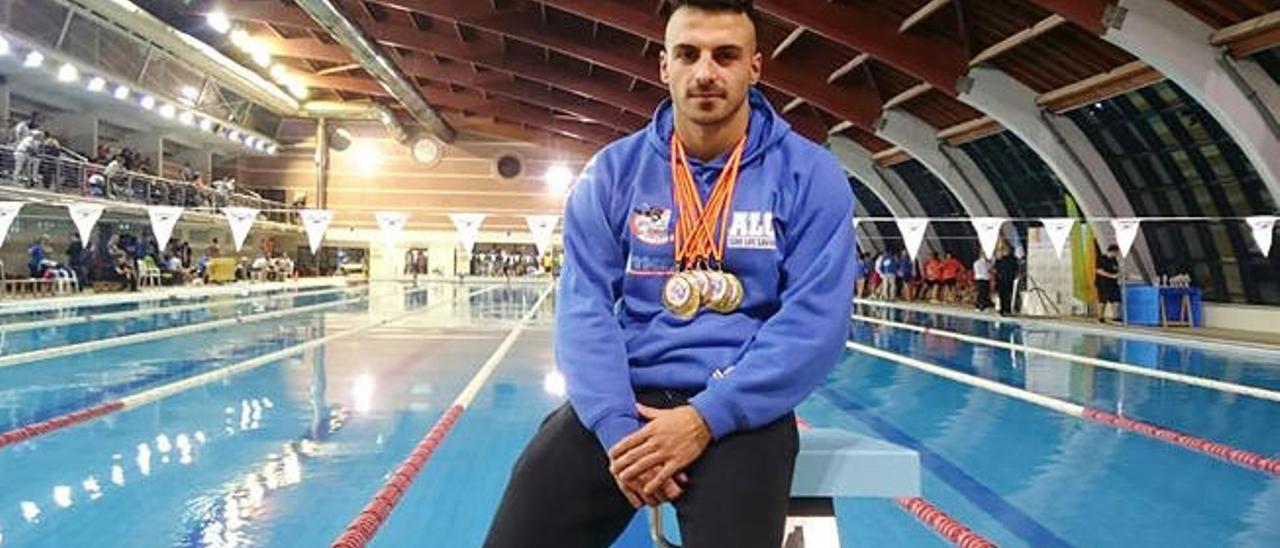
<point>1260,319</point>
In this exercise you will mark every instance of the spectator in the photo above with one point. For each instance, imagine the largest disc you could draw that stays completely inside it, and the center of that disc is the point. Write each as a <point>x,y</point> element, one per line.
<point>982,281</point>
<point>1006,274</point>
<point>906,275</point>
<point>26,156</point>
<point>949,274</point>
<point>213,250</point>
<point>37,254</point>
<point>1107,281</point>
<point>860,276</point>
<point>77,259</point>
<point>887,267</point>
<point>932,277</point>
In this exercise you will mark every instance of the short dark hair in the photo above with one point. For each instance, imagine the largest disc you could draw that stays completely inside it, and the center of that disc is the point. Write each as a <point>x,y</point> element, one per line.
<point>1113,247</point>
<point>736,6</point>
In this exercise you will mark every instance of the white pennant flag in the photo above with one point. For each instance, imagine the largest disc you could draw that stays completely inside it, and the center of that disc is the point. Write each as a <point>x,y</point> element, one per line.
<point>392,224</point>
<point>1059,231</point>
<point>85,216</point>
<point>241,220</point>
<point>163,219</point>
<point>468,225</point>
<point>913,230</point>
<point>1126,233</point>
<point>988,229</point>
<point>315,222</point>
<point>8,212</point>
<point>1263,228</point>
<point>542,227</point>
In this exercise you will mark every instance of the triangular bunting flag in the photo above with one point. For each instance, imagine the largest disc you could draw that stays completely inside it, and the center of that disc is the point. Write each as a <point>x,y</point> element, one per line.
<point>163,219</point>
<point>1263,228</point>
<point>240,219</point>
<point>85,216</point>
<point>468,225</point>
<point>8,212</point>
<point>392,224</point>
<point>1059,231</point>
<point>1126,233</point>
<point>542,227</point>
<point>913,230</point>
<point>315,222</point>
<point>988,229</point>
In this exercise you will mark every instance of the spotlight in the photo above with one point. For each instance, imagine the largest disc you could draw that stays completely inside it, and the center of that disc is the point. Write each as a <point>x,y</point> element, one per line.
<point>258,52</point>
<point>68,73</point>
<point>234,136</point>
<point>558,178</point>
<point>218,21</point>
<point>299,91</point>
<point>148,102</point>
<point>4,46</point>
<point>279,72</point>
<point>122,93</point>
<point>206,124</point>
<point>190,94</point>
<point>187,118</point>
<point>33,59</point>
<point>240,38</point>
<point>97,84</point>
<point>167,111</point>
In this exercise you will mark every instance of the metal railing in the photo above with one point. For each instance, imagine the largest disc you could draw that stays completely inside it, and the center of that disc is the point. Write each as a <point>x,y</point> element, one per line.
<point>67,175</point>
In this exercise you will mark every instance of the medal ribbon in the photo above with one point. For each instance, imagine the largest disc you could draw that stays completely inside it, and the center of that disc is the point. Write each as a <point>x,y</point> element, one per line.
<point>696,240</point>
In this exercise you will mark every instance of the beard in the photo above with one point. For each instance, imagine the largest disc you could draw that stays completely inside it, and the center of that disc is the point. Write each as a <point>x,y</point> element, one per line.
<point>711,108</point>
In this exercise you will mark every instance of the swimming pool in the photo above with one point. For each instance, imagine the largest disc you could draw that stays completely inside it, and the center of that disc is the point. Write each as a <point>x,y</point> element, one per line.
<point>287,453</point>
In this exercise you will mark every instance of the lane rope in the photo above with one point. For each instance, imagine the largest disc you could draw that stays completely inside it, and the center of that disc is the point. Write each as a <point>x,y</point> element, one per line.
<point>361,530</point>
<point>1226,453</point>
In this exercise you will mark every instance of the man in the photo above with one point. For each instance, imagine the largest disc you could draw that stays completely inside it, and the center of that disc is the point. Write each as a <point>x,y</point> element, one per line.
<point>1006,275</point>
<point>982,281</point>
<point>1106,280</point>
<point>906,275</point>
<point>932,277</point>
<point>887,267</point>
<point>680,403</point>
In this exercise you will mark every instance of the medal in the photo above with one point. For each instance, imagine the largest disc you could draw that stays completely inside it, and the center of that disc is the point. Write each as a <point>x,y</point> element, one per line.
<point>680,296</point>
<point>701,231</point>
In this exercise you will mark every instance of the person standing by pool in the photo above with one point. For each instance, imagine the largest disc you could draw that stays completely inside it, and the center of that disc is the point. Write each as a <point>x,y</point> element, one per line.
<point>706,291</point>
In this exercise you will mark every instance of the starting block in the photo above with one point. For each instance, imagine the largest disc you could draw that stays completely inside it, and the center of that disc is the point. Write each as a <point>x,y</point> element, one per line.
<point>832,463</point>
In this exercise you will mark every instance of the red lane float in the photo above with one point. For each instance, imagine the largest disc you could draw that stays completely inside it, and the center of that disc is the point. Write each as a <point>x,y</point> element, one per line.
<point>1239,457</point>
<point>943,524</point>
<point>361,530</point>
<point>59,422</point>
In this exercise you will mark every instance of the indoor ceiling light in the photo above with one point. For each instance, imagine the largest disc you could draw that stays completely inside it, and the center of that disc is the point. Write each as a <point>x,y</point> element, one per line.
<point>97,83</point>
<point>68,73</point>
<point>218,21</point>
<point>33,59</point>
<point>148,102</point>
<point>122,93</point>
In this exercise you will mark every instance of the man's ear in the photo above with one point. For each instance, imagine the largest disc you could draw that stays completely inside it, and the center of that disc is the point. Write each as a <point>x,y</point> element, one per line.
<point>757,67</point>
<point>662,67</point>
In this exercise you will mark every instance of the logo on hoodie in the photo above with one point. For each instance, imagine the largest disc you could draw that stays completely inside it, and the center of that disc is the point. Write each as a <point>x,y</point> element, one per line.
<point>752,230</point>
<point>651,224</point>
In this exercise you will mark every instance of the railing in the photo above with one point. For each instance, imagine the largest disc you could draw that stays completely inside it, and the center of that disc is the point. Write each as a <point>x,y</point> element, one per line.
<point>70,176</point>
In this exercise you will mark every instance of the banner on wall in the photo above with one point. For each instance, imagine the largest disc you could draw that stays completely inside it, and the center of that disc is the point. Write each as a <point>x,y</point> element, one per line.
<point>912,229</point>
<point>8,212</point>
<point>1263,228</point>
<point>1126,233</point>
<point>988,229</point>
<point>241,220</point>
<point>163,219</point>
<point>468,225</point>
<point>85,216</point>
<point>315,222</point>
<point>543,227</point>
<point>1059,231</point>
<point>392,224</point>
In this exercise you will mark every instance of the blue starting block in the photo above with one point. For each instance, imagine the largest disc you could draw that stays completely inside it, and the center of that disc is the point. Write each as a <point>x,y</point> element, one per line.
<point>832,464</point>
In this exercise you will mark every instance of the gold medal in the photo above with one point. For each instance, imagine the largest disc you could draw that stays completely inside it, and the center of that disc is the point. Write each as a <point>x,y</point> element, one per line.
<point>701,282</point>
<point>680,295</point>
<point>736,293</point>
<point>719,291</point>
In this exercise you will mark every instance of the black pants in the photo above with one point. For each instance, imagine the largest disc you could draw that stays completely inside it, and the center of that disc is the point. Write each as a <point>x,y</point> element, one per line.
<point>562,495</point>
<point>1006,296</point>
<point>984,294</point>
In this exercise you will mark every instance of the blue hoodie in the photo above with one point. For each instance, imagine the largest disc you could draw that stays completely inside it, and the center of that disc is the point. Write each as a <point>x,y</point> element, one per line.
<point>790,242</point>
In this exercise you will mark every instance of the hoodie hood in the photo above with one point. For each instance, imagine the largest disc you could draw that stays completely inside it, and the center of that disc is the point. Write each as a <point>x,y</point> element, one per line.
<point>766,130</point>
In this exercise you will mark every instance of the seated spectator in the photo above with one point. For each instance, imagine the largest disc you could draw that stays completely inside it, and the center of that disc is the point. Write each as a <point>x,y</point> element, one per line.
<point>37,254</point>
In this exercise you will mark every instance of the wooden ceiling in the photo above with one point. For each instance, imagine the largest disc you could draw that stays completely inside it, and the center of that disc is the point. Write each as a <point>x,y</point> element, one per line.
<point>585,71</point>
